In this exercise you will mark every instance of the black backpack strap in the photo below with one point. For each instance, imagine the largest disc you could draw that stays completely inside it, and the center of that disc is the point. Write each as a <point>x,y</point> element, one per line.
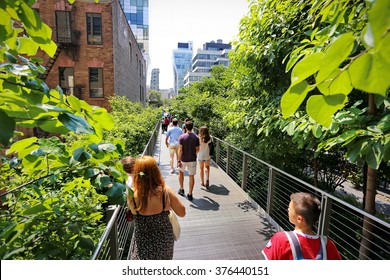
<point>295,246</point>
<point>135,205</point>
<point>163,198</point>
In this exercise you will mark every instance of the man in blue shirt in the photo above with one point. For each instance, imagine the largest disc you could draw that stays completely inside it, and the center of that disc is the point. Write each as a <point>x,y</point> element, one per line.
<point>172,142</point>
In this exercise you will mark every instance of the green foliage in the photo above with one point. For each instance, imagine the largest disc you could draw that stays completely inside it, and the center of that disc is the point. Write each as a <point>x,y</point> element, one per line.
<point>133,123</point>
<point>206,102</point>
<point>155,98</point>
<point>45,223</point>
<point>347,50</point>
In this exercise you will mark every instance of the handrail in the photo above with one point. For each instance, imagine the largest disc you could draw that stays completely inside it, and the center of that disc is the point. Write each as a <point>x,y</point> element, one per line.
<point>106,233</point>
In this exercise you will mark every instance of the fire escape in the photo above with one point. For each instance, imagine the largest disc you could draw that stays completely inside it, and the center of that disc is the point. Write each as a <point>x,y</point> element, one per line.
<point>65,39</point>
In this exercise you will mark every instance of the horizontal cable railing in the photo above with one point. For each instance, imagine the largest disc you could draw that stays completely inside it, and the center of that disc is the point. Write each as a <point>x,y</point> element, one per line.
<point>115,241</point>
<point>357,234</point>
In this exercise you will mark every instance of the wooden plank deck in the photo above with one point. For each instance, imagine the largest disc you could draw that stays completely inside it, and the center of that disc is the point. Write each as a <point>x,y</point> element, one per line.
<point>220,224</point>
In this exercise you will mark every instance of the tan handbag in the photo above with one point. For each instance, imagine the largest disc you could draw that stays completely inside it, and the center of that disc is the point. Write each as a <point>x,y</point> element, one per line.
<point>174,222</point>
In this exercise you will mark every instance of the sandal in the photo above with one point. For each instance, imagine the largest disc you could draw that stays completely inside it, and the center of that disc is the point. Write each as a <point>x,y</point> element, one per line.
<point>202,184</point>
<point>207,184</point>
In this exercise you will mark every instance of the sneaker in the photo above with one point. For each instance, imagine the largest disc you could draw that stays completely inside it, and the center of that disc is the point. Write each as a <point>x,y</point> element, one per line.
<point>181,192</point>
<point>172,171</point>
<point>189,196</point>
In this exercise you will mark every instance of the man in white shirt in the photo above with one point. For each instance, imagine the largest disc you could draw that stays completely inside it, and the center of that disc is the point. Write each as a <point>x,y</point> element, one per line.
<point>172,142</point>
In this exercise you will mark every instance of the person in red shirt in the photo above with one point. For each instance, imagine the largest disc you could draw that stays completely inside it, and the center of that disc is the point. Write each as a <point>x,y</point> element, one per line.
<point>302,243</point>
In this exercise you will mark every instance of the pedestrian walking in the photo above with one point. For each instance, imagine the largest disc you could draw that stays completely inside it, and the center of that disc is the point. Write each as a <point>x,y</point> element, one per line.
<point>204,156</point>
<point>172,142</point>
<point>188,150</point>
<point>153,237</point>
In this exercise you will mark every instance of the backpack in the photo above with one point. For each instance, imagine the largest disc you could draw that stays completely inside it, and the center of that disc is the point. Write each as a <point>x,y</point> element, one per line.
<point>296,247</point>
<point>211,148</point>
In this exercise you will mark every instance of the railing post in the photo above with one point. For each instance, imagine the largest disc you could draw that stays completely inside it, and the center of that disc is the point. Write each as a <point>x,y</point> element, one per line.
<point>271,190</point>
<point>217,152</point>
<point>324,220</point>
<point>244,171</point>
<point>113,235</point>
<point>228,159</point>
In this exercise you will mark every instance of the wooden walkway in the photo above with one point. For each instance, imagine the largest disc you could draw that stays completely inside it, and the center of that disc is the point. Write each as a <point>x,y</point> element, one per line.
<point>220,224</point>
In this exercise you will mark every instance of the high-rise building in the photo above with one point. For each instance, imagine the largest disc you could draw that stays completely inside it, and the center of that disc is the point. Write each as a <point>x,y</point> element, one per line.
<point>155,79</point>
<point>212,53</point>
<point>137,14</point>
<point>182,60</point>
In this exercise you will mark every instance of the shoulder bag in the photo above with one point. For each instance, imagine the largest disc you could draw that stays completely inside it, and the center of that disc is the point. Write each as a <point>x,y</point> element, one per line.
<point>174,222</point>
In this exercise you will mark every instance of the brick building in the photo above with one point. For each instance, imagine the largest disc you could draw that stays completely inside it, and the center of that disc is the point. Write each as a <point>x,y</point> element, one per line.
<point>97,56</point>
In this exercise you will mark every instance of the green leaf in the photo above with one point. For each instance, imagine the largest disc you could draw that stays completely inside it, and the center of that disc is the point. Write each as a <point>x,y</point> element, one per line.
<point>355,150</point>
<point>291,128</point>
<point>50,48</point>
<point>35,209</point>
<point>384,123</point>
<point>317,131</point>
<point>293,98</point>
<point>91,172</point>
<point>7,128</point>
<point>103,180</point>
<point>27,46</point>
<point>53,126</point>
<point>74,103</point>
<point>379,19</point>
<point>116,190</point>
<point>102,117</point>
<point>107,147</point>
<point>321,108</point>
<point>75,123</point>
<point>306,67</point>
<point>374,155</point>
<point>370,71</point>
<point>81,155</point>
<point>338,51</point>
<point>86,243</point>
<point>338,83</point>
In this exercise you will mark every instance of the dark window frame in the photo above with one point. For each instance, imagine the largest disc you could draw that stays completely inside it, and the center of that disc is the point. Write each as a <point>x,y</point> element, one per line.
<point>94,35</point>
<point>92,88</point>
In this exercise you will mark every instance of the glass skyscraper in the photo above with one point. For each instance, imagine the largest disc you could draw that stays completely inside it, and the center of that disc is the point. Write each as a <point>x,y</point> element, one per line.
<point>137,14</point>
<point>182,60</point>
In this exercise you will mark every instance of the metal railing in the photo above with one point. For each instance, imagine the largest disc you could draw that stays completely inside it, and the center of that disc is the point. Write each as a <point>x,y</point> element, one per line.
<point>115,241</point>
<point>356,233</point>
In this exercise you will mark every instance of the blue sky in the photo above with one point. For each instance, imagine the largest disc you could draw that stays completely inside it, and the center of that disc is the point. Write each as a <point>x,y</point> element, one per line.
<point>200,21</point>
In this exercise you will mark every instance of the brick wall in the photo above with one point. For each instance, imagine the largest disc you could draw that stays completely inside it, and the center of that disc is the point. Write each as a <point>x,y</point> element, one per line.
<point>119,71</point>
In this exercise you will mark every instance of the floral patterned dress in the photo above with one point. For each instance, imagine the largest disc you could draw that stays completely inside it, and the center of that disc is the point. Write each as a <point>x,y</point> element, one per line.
<point>152,237</point>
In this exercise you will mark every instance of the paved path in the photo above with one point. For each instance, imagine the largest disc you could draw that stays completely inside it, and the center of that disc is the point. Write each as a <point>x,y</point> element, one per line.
<point>220,223</point>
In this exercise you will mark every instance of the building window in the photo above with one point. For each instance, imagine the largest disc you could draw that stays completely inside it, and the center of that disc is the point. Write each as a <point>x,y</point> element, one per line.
<point>96,82</point>
<point>66,77</point>
<point>63,27</point>
<point>130,52</point>
<point>94,29</point>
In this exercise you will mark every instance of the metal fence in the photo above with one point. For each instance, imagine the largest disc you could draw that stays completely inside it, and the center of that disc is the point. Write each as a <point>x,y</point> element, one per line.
<point>115,241</point>
<point>357,234</point>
